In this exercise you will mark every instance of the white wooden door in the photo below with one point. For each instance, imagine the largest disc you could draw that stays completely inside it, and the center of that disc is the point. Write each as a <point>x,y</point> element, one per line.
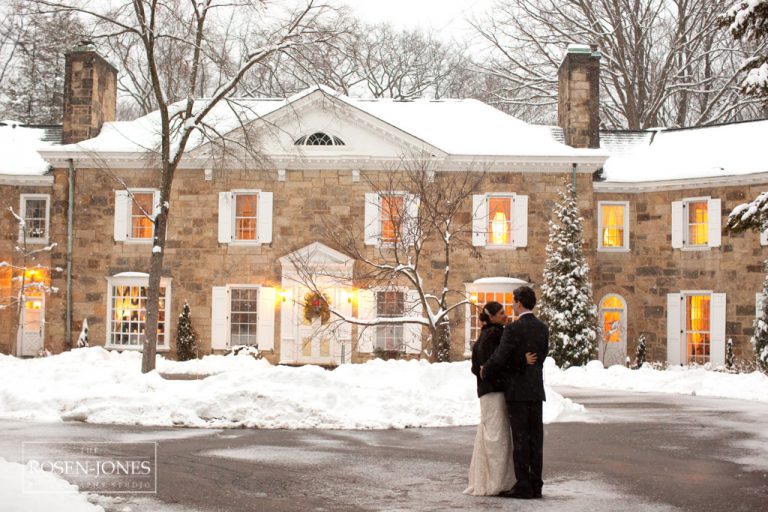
<point>32,327</point>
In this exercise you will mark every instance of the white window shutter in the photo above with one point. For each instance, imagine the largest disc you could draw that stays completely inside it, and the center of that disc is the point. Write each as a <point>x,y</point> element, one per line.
<point>764,237</point>
<point>479,220</point>
<point>412,332</point>
<point>265,218</point>
<point>220,318</point>
<point>717,330</point>
<point>677,224</point>
<point>225,217</point>
<point>372,219</point>
<point>366,311</point>
<point>520,219</point>
<point>758,304</point>
<point>412,224</point>
<point>674,336</point>
<point>121,215</point>
<point>715,228</point>
<point>265,331</point>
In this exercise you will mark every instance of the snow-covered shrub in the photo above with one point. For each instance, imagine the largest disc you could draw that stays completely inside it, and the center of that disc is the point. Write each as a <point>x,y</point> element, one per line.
<point>186,337</point>
<point>640,351</point>
<point>82,340</point>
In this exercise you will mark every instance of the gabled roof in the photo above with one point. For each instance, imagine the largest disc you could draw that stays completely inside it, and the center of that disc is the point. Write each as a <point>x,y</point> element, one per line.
<point>456,127</point>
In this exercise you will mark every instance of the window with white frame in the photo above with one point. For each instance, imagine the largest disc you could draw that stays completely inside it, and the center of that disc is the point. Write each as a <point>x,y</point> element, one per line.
<point>244,318</point>
<point>478,299</point>
<point>135,210</point>
<point>696,327</point>
<point>390,304</point>
<point>127,314</point>
<point>696,223</point>
<point>482,291</point>
<point>245,217</point>
<point>391,218</point>
<point>613,226</point>
<point>500,220</point>
<point>35,210</point>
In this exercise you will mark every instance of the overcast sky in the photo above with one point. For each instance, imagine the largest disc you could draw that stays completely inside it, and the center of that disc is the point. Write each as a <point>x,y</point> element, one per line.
<point>443,15</point>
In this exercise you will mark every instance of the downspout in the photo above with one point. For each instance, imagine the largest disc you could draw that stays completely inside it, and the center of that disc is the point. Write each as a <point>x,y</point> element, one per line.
<point>70,219</point>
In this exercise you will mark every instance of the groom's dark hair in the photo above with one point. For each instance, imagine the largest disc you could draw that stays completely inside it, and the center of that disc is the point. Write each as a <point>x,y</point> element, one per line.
<point>525,296</point>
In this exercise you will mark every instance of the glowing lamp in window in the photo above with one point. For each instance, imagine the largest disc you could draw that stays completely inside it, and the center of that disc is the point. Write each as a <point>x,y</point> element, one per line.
<point>499,215</point>
<point>499,229</point>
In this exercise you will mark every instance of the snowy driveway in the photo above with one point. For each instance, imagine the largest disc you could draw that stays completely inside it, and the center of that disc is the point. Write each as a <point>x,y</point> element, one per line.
<point>646,452</point>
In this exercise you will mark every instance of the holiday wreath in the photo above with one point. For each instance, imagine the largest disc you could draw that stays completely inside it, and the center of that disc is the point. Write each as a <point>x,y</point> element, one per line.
<point>316,306</point>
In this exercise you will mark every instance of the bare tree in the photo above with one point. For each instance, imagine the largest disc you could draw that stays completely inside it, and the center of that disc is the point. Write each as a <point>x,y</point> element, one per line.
<point>184,124</point>
<point>421,223</point>
<point>664,62</point>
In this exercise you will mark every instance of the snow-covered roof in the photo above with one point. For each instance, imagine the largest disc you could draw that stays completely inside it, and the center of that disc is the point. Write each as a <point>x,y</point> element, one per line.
<point>457,127</point>
<point>658,155</point>
<point>19,146</point>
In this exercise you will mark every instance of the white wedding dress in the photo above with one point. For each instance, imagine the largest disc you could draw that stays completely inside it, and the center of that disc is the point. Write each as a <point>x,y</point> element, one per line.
<point>492,470</point>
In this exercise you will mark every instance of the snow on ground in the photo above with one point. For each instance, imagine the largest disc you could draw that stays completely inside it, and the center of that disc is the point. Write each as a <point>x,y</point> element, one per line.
<point>52,492</point>
<point>100,386</point>
<point>675,379</point>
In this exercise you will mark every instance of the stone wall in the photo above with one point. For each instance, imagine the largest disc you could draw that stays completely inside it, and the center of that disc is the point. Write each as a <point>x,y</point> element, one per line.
<point>196,261</point>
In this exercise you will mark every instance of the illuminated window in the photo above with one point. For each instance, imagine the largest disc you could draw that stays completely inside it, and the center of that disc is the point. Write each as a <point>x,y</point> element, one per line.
<point>390,304</point>
<point>613,225</point>
<point>142,207</point>
<point>244,316</point>
<point>499,220</point>
<point>128,312</point>
<point>697,220</point>
<point>479,299</point>
<point>245,216</point>
<point>392,214</point>
<point>613,309</point>
<point>697,328</point>
<point>35,212</point>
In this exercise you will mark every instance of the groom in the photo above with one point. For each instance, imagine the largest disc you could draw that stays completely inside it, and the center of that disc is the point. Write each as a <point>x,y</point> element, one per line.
<point>524,391</point>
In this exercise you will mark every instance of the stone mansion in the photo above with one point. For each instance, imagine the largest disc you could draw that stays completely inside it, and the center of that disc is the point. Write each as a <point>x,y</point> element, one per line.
<point>654,204</point>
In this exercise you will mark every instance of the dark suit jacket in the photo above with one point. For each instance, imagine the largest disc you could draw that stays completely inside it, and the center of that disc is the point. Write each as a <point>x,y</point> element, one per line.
<point>524,382</point>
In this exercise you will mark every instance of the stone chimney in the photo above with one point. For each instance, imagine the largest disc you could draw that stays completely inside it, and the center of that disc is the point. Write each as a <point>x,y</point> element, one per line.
<point>90,93</point>
<point>578,96</point>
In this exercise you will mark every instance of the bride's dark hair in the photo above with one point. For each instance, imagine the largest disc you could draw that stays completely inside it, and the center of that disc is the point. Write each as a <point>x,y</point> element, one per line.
<point>490,309</point>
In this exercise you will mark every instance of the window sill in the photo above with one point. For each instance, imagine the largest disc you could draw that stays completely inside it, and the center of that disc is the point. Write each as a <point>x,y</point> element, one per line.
<point>135,348</point>
<point>138,241</point>
<point>695,248</point>
<point>36,241</point>
<point>500,247</point>
<point>613,249</point>
<point>244,243</point>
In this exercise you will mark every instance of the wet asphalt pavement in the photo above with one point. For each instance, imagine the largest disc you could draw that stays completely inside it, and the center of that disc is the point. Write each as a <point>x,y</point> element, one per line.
<point>646,452</point>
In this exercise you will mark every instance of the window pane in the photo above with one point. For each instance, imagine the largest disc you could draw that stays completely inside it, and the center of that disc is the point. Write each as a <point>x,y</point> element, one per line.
<point>612,326</point>
<point>391,217</point>
<point>500,220</point>
<point>505,299</point>
<point>390,304</point>
<point>245,216</point>
<point>698,223</point>
<point>612,233</point>
<point>129,315</point>
<point>141,225</point>
<point>34,218</point>
<point>697,328</point>
<point>243,316</point>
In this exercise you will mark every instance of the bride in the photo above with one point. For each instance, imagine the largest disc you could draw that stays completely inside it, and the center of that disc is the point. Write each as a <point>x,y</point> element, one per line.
<point>491,470</point>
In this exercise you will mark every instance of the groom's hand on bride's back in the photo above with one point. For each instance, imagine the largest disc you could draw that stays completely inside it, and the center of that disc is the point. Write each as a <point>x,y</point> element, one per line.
<point>531,357</point>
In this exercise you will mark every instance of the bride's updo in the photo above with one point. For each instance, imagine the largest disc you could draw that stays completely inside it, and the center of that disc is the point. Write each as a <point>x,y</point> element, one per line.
<point>490,309</point>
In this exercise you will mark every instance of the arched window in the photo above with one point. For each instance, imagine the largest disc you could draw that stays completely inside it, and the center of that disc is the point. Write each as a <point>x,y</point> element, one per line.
<point>613,321</point>
<point>319,139</point>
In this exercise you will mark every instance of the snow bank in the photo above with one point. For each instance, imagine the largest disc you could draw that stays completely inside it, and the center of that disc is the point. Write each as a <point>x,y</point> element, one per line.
<point>100,386</point>
<point>51,491</point>
<point>676,379</point>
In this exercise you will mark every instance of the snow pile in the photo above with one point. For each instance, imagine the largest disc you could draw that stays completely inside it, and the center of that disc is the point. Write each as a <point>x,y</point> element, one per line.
<point>19,146</point>
<point>51,491</point>
<point>99,386</point>
<point>675,379</point>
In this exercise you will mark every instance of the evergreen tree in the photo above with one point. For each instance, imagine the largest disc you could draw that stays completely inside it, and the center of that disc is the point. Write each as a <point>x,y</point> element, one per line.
<point>640,351</point>
<point>566,293</point>
<point>760,337</point>
<point>748,22</point>
<point>186,337</point>
<point>729,354</point>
